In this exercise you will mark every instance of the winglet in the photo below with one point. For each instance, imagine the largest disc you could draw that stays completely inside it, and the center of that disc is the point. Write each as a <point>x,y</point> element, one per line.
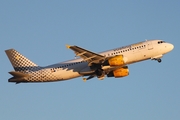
<point>68,46</point>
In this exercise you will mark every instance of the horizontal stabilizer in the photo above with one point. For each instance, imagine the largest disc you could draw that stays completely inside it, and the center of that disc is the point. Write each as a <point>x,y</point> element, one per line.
<point>18,77</point>
<point>18,74</point>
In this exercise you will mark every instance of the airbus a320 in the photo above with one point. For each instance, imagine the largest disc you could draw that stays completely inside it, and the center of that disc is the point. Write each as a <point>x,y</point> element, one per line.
<point>110,63</point>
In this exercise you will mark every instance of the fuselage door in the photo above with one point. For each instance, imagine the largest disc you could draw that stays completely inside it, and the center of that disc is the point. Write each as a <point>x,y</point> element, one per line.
<point>149,44</point>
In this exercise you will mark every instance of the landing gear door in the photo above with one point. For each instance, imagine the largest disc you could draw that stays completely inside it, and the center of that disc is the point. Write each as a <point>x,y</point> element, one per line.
<point>149,44</point>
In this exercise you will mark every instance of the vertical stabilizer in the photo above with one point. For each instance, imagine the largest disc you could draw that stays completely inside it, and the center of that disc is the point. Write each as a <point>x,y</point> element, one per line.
<point>20,62</point>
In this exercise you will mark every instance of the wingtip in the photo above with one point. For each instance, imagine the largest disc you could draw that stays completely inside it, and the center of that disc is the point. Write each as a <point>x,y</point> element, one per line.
<point>68,46</point>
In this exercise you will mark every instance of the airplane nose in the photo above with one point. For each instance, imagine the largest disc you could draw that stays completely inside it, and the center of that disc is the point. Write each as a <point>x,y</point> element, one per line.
<point>171,47</point>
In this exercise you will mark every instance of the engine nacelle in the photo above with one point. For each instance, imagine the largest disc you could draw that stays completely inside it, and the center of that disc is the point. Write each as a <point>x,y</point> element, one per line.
<point>116,60</point>
<point>121,72</point>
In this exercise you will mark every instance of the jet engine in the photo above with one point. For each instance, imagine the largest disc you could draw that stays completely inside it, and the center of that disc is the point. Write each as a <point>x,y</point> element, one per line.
<point>116,60</point>
<point>120,72</point>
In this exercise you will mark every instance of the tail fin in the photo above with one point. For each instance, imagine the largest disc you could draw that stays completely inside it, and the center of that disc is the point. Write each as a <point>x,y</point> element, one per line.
<point>20,62</point>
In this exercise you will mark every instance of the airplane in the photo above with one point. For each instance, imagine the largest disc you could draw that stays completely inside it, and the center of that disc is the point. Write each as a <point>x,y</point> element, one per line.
<point>110,63</point>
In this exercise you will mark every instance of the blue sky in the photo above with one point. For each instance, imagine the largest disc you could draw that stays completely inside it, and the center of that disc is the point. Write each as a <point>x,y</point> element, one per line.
<point>40,31</point>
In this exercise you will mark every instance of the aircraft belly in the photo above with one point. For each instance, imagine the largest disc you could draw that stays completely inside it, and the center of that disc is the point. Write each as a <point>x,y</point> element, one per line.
<point>65,75</point>
<point>51,75</point>
<point>42,76</point>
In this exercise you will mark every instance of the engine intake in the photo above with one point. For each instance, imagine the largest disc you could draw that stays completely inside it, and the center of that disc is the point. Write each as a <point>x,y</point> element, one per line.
<point>116,60</point>
<point>121,72</point>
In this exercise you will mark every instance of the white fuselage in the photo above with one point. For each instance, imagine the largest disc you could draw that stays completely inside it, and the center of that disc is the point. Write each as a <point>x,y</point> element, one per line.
<point>152,49</point>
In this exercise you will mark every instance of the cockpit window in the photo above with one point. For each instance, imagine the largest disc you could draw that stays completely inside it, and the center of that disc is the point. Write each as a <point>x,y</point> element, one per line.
<point>159,42</point>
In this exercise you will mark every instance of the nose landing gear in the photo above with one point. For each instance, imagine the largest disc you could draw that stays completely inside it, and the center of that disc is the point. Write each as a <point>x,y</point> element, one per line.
<point>159,60</point>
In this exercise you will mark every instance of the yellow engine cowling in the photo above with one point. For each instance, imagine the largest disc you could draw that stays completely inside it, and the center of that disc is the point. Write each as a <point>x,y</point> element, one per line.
<point>116,60</point>
<point>121,72</point>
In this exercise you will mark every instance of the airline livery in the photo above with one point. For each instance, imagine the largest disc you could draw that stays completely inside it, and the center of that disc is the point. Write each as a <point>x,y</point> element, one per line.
<point>111,63</point>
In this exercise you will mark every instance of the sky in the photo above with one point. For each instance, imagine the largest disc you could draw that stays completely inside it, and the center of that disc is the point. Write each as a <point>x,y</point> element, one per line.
<point>41,29</point>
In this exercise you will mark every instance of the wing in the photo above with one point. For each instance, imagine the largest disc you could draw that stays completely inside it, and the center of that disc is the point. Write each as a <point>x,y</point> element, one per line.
<point>100,65</point>
<point>87,55</point>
